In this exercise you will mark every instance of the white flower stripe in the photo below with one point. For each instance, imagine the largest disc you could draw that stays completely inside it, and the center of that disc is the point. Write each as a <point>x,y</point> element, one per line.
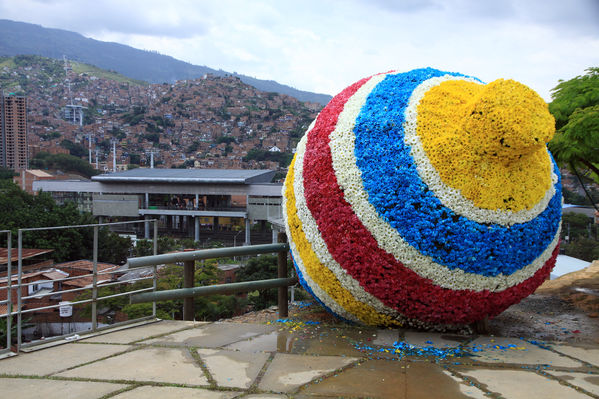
<point>319,246</point>
<point>449,196</point>
<point>342,144</point>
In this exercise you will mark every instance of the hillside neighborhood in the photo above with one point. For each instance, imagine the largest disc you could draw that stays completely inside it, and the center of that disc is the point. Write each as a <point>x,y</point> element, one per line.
<point>212,122</point>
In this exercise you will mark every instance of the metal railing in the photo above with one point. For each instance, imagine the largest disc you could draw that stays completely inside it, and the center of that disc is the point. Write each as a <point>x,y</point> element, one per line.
<point>8,301</point>
<point>20,298</point>
<point>189,291</point>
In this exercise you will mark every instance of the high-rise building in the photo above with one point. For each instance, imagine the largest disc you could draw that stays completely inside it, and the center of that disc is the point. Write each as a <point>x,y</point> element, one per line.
<point>13,142</point>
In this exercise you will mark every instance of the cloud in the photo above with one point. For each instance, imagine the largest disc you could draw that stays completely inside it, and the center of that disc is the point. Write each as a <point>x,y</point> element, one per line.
<point>324,45</point>
<point>171,19</point>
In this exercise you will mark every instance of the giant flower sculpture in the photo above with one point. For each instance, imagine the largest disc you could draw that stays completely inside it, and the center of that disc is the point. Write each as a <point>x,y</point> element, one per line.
<point>424,197</point>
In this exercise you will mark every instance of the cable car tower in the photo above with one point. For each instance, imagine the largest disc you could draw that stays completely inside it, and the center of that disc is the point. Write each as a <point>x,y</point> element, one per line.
<point>72,112</point>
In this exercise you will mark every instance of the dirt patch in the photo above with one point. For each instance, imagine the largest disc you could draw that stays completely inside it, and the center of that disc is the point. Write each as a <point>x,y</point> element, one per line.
<point>546,318</point>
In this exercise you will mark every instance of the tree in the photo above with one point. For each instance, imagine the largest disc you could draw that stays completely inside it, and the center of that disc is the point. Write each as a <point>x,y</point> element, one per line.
<point>76,150</point>
<point>7,174</point>
<point>575,107</point>
<point>260,268</point>
<point>64,162</point>
<point>19,209</point>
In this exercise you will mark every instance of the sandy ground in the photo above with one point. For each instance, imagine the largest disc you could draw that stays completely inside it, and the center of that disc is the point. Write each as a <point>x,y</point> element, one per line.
<point>565,309</point>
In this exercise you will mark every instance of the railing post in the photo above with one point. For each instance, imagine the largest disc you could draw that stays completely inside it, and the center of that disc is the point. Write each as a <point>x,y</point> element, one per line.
<point>19,294</point>
<point>155,268</point>
<point>95,282</point>
<point>282,273</point>
<point>188,282</point>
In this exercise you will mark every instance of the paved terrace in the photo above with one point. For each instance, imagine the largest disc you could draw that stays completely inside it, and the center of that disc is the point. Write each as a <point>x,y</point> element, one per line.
<point>178,359</point>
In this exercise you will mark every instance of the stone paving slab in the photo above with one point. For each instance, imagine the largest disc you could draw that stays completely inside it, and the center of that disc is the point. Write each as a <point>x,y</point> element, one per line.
<point>515,384</point>
<point>386,337</point>
<point>265,396</point>
<point>57,358</point>
<point>373,378</point>
<point>432,339</point>
<point>172,365</point>
<point>586,381</point>
<point>287,372</point>
<point>428,380</point>
<point>589,355</point>
<point>213,335</point>
<point>233,369</point>
<point>146,392</point>
<point>394,380</point>
<point>27,388</point>
<point>466,388</point>
<point>276,341</point>
<point>129,335</point>
<point>333,342</point>
<point>497,350</point>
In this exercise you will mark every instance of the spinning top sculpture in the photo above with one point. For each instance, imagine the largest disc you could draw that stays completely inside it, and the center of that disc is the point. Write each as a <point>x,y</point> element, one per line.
<point>426,198</point>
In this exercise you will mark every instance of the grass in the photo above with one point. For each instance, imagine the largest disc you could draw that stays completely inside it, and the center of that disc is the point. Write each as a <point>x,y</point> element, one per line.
<point>105,74</point>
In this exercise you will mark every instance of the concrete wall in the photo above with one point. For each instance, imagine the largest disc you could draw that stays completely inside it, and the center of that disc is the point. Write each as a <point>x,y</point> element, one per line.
<point>115,205</point>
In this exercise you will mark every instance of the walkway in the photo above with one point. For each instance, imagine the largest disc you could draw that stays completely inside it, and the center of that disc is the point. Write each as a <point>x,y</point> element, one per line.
<point>177,359</point>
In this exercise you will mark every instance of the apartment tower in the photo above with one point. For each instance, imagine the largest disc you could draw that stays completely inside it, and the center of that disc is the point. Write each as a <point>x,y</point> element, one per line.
<point>13,142</point>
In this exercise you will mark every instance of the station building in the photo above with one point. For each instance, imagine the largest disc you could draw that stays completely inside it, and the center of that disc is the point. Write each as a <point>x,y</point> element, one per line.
<point>186,202</point>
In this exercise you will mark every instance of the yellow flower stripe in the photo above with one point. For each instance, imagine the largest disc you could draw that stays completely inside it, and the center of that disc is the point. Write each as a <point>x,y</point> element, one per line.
<point>493,153</point>
<point>320,273</point>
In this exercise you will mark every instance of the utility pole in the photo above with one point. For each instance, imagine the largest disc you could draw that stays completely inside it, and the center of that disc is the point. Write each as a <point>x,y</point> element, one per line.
<point>89,146</point>
<point>113,155</point>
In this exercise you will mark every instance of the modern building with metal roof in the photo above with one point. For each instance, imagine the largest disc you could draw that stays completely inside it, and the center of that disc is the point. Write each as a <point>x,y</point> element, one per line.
<point>188,176</point>
<point>219,198</point>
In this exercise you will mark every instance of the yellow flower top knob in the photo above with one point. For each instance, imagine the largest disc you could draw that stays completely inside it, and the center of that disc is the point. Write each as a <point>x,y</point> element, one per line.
<point>488,141</point>
<point>508,120</point>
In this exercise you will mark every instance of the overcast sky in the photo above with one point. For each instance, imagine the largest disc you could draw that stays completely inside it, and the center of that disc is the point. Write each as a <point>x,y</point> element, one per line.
<point>325,45</point>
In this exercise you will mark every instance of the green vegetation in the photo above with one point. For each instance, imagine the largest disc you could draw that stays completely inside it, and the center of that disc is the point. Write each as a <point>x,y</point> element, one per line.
<point>582,236</point>
<point>256,154</point>
<point>226,139</point>
<point>7,174</point>
<point>136,115</point>
<point>582,239</point>
<point>19,209</point>
<point>76,150</point>
<point>193,147</point>
<point>261,268</point>
<point>211,307</point>
<point>91,70</point>
<point>50,136</point>
<point>575,107</point>
<point>117,133</point>
<point>64,162</point>
<point>135,159</point>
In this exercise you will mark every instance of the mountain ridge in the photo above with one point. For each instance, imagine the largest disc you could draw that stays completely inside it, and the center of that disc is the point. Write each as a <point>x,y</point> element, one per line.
<point>18,38</point>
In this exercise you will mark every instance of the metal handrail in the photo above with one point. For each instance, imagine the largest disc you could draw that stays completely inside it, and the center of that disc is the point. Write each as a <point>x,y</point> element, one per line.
<point>189,291</point>
<point>219,289</point>
<point>212,253</point>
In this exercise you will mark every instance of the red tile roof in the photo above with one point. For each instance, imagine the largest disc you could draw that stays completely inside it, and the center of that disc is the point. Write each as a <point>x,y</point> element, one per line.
<point>26,254</point>
<point>84,264</point>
